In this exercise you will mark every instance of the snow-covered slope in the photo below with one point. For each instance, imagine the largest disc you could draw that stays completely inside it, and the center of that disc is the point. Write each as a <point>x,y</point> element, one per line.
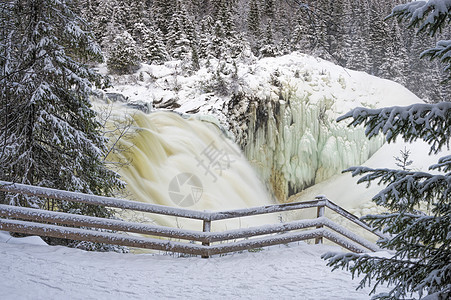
<point>356,198</point>
<point>281,111</point>
<point>158,84</point>
<point>31,271</point>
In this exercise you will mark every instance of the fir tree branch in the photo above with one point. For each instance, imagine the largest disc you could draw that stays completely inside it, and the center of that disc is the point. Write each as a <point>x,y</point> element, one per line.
<point>429,122</point>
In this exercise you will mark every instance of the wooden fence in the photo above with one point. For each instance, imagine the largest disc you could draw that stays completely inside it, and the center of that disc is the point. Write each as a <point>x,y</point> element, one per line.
<point>204,243</point>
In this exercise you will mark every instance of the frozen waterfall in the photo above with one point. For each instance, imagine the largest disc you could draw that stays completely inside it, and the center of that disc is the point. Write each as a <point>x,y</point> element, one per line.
<point>295,143</point>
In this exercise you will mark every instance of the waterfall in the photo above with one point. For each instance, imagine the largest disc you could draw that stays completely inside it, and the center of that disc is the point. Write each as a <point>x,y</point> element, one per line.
<point>189,163</point>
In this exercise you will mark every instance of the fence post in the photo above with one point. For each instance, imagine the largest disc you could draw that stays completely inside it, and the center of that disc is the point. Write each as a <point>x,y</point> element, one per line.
<point>206,228</point>
<point>320,213</point>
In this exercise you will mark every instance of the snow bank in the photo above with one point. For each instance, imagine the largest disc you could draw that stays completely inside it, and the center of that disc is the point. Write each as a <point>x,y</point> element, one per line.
<point>356,198</point>
<point>295,271</point>
<point>5,237</point>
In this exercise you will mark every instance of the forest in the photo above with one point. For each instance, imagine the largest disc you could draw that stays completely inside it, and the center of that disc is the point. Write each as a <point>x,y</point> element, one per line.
<point>354,34</point>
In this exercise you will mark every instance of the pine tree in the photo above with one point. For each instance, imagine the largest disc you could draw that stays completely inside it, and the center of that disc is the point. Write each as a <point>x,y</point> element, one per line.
<point>379,30</point>
<point>418,217</point>
<point>269,8</point>
<point>218,46</point>
<point>134,11</point>
<point>300,39</point>
<point>253,20</point>
<point>358,53</point>
<point>268,49</point>
<point>102,16</point>
<point>179,34</point>
<point>417,67</point>
<point>163,10</point>
<point>124,56</point>
<point>226,18</point>
<point>139,32</point>
<point>393,65</point>
<point>49,135</point>
<point>206,36</point>
<point>108,23</point>
<point>154,48</point>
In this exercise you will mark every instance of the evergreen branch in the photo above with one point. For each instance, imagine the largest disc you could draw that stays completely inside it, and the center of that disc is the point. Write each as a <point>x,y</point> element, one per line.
<point>429,122</point>
<point>405,275</point>
<point>444,164</point>
<point>442,51</point>
<point>430,15</point>
<point>405,190</point>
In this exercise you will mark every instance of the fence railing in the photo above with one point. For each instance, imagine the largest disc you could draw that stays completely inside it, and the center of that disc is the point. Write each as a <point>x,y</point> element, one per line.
<point>204,243</point>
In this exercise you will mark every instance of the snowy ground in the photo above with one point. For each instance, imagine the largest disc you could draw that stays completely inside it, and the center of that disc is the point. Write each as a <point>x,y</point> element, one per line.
<point>32,270</point>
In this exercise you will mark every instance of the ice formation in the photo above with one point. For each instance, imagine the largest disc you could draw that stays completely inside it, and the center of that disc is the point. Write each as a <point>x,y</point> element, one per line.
<point>287,126</point>
<point>295,143</point>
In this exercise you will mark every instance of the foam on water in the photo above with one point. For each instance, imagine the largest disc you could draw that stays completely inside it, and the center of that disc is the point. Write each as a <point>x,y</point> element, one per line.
<point>188,163</point>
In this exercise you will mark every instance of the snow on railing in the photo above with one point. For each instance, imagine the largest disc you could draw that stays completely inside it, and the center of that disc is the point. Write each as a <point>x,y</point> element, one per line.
<point>99,200</point>
<point>203,243</point>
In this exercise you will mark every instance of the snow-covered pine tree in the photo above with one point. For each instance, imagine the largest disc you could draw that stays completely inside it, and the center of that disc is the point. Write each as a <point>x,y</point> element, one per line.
<point>394,59</point>
<point>253,25</point>
<point>206,36</point>
<point>268,48</point>
<point>441,16</point>
<point>226,17</point>
<point>378,54</point>
<point>269,8</point>
<point>218,46</point>
<point>139,32</point>
<point>300,39</point>
<point>358,58</point>
<point>163,10</point>
<point>134,11</point>
<point>418,217</point>
<point>360,26</point>
<point>154,48</point>
<point>49,135</point>
<point>178,42</point>
<point>124,56</point>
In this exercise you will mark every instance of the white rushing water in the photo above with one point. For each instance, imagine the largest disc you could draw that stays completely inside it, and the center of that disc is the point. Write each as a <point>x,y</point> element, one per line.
<point>191,164</point>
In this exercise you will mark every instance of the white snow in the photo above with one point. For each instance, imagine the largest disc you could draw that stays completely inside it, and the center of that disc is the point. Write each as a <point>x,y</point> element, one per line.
<point>32,271</point>
<point>316,77</point>
<point>356,198</point>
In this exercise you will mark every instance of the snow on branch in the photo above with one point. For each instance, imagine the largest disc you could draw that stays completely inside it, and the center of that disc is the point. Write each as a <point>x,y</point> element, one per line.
<point>431,122</point>
<point>431,15</point>
<point>442,50</point>
<point>444,163</point>
<point>386,271</point>
<point>405,188</point>
<point>406,229</point>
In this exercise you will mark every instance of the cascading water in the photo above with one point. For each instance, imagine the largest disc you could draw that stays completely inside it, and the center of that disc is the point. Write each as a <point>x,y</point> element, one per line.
<point>188,163</point>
